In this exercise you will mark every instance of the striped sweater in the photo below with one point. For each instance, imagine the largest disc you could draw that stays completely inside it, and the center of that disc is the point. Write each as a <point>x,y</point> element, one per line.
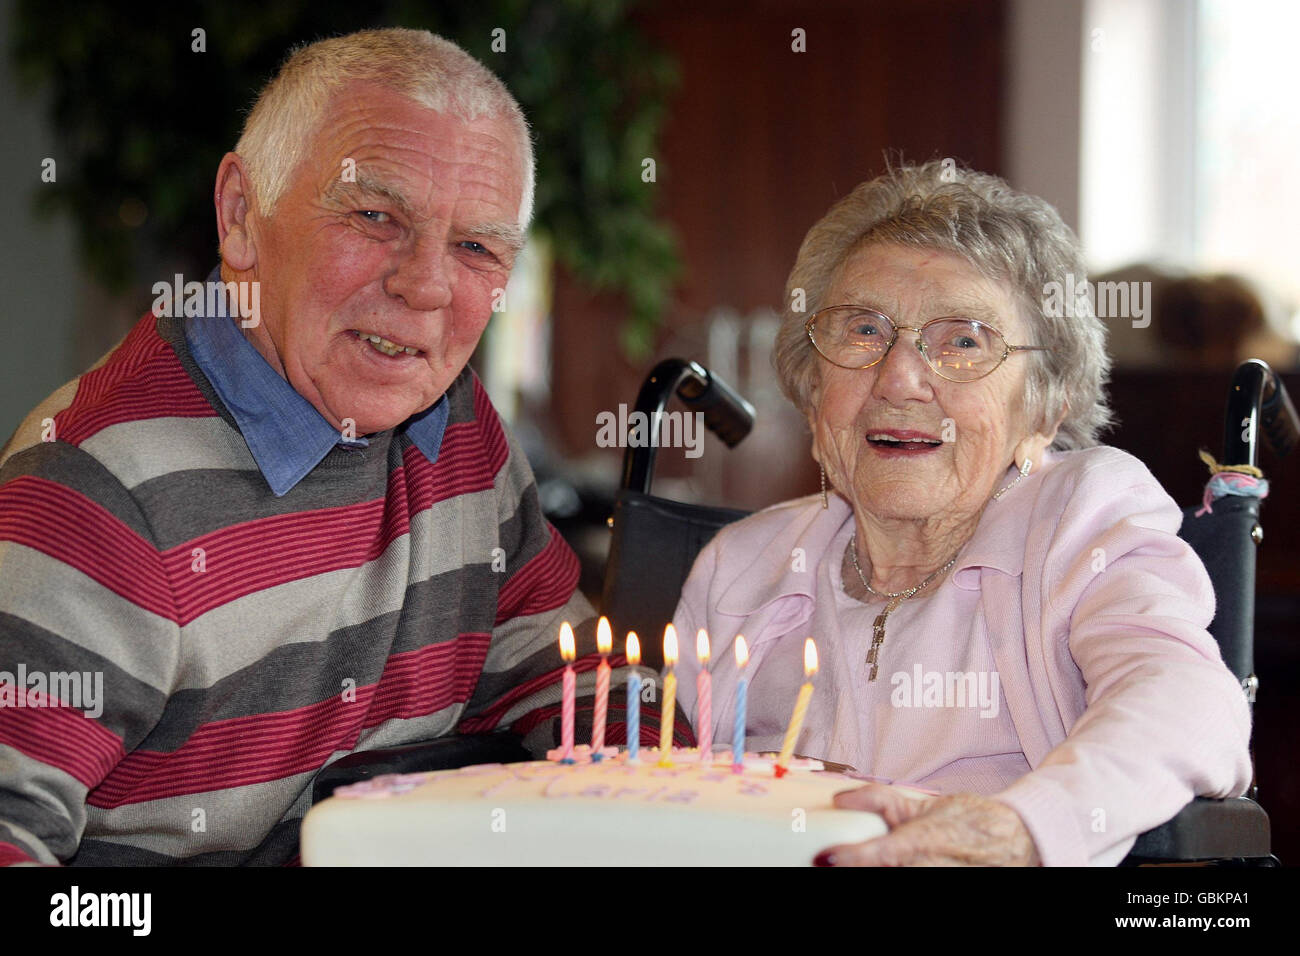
<point>243,641</point>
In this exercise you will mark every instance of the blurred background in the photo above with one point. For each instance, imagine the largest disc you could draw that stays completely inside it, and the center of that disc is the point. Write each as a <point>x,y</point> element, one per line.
<point>684,148</point>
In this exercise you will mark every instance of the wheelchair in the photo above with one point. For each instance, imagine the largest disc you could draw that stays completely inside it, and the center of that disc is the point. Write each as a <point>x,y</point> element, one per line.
<point>636,597</point>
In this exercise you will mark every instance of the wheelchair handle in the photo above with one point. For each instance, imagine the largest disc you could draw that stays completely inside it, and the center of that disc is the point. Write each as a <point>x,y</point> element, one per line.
<point>726,413</point>
<point>1258,402</point>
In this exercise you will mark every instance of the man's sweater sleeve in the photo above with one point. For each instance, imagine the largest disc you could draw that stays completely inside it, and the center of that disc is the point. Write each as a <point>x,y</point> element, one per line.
<point>88,643</point>
<point>1165,720</point>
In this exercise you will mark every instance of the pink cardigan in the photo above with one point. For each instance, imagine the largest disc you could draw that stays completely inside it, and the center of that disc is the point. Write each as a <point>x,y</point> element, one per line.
<point>1076,589</point>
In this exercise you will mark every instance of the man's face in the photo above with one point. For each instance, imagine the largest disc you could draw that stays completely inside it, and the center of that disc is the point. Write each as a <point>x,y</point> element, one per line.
<point>411,252</point>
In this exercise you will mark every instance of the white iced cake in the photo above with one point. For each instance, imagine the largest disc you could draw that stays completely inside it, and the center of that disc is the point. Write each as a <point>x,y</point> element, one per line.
<point>608,813</point>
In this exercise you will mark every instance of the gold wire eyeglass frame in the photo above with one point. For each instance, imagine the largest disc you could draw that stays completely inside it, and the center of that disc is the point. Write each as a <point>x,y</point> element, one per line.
<point>1007,349</point>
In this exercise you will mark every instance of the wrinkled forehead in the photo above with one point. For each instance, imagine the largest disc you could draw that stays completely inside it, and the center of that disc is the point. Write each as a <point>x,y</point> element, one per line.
<point>912,285</point>
<point>384,135</point>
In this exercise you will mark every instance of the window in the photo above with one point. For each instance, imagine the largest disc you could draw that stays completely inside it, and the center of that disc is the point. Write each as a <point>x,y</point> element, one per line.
<point>1190,131</point>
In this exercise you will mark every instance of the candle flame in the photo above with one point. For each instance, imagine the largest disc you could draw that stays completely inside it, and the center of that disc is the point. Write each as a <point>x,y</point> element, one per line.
<point>567,650</point>
<point>633,649</point>
<point>604,636</point>
<point>742,651</point>
<point>809,658</point>
<point>702,645</point>
<point>670,645</point>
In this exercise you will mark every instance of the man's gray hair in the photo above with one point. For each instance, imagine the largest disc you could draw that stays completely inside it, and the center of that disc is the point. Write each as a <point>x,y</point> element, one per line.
<point>1007,236</point>
<point>426,69</point>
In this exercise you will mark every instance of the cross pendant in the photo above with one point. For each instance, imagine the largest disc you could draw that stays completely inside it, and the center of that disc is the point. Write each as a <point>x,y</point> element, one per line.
<point>878,635</point>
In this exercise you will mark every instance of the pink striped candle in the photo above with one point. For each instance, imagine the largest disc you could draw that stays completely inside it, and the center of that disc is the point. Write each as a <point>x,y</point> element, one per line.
<point>604,644</point>
<point>704,691</point>
<point>568,653</point>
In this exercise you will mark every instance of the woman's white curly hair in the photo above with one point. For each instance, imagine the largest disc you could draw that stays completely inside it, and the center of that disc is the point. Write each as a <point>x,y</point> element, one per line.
<point>1009,237</point>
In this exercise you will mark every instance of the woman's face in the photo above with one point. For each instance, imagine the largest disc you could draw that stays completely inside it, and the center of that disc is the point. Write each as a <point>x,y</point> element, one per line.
<point>977,427</point>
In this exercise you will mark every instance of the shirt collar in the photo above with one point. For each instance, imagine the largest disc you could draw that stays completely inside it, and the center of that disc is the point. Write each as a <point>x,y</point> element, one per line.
<point>998,543</point>
<point>286,435</point>
<point>782,567</point>
<point>1000,540</point>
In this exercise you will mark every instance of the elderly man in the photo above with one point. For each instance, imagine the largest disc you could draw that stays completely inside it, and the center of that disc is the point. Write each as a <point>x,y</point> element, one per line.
<point>251,542</point>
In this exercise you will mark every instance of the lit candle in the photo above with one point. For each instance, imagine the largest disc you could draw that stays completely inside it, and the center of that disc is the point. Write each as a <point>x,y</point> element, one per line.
<point>568,652</point>
<point>604,643</point>
<point>633,698</point>
<point>670,697</point>
<point>738,737</point>
<point>704,691</point>
<point>800,706</point>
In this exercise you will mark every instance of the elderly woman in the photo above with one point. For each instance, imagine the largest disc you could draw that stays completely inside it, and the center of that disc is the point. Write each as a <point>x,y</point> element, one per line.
<point>1003,610</point>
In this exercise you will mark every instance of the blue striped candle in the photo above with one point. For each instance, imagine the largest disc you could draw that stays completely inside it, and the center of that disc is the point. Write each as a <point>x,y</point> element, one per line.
<point>633,698</point>
<point>738,736</point>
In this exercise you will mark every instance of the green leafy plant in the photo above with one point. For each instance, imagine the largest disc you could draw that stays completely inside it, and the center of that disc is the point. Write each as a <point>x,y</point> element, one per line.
<point>143,120</point>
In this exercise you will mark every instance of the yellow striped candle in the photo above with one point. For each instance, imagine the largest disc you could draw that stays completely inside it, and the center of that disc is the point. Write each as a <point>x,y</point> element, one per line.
<point>670,697</point>
<point>800,707</point>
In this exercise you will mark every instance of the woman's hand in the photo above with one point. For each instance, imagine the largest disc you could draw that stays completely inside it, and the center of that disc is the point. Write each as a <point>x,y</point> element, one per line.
<point>958,830</point>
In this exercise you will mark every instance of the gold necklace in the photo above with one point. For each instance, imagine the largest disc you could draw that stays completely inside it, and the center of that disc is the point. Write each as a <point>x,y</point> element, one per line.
<point>895,598</point>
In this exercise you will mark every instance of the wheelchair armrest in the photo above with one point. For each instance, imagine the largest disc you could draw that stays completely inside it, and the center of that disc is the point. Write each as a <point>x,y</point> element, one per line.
<point>1206,829</point>
<point>445,753</point>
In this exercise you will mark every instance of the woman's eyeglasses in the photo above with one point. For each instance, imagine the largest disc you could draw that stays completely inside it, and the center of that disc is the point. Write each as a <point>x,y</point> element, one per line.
<point>960,350</point>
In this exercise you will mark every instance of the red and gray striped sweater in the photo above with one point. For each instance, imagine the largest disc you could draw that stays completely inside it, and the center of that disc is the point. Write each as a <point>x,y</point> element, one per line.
<point>244,641</point>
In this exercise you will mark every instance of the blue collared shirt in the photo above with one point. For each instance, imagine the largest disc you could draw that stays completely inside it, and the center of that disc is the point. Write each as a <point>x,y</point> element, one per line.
<point>287,436</point>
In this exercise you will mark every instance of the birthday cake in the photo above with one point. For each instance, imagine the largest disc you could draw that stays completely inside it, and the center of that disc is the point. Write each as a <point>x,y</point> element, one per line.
<point>607,813</point>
